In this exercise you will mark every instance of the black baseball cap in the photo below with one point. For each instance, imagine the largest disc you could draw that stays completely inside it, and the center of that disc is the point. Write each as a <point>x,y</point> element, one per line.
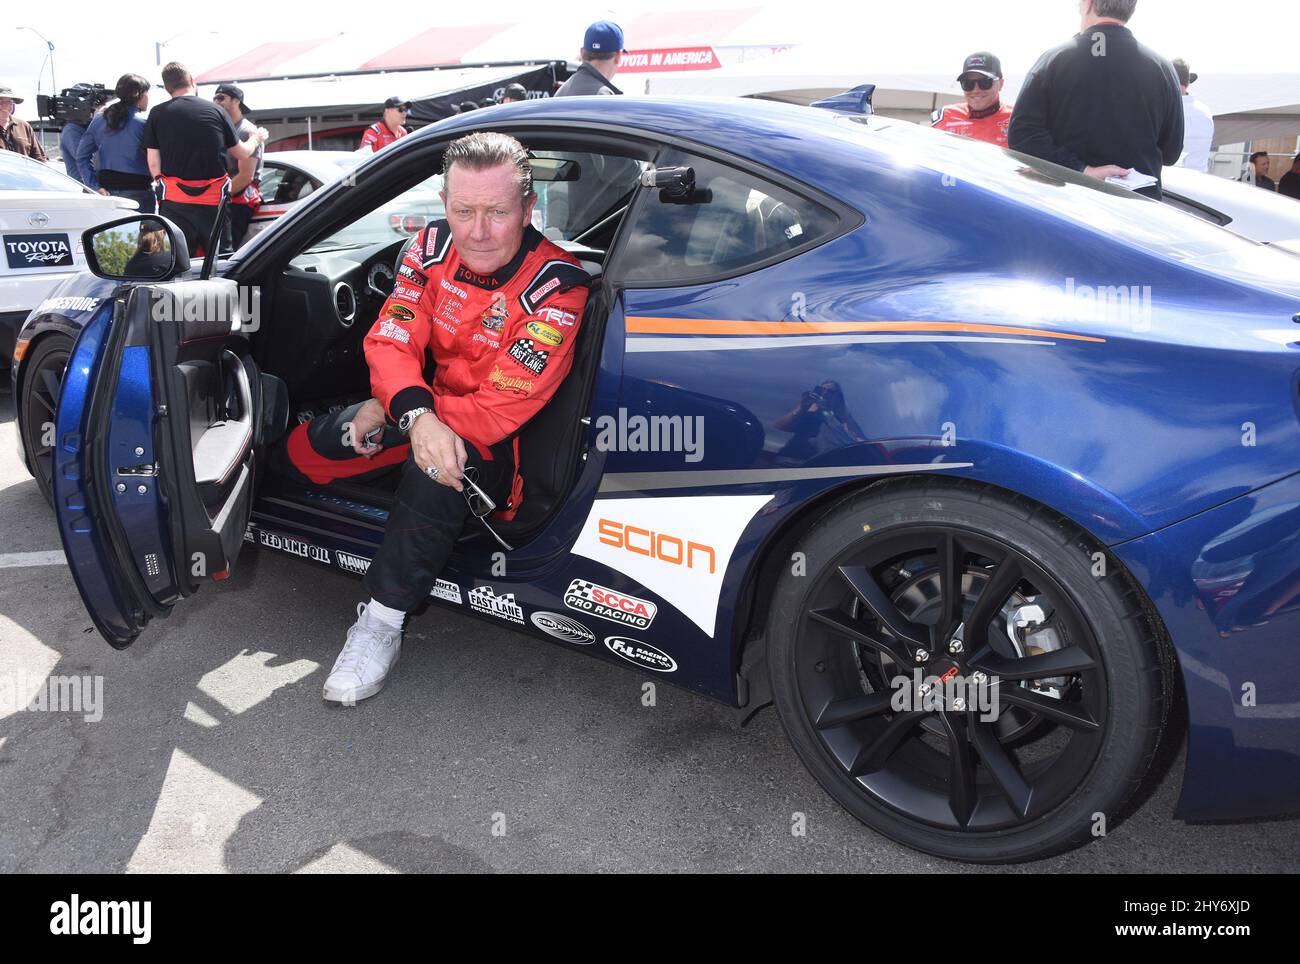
<point>234,93</point>
<point>516,91</point>
<point>984,63</point>
<point>397,102</point>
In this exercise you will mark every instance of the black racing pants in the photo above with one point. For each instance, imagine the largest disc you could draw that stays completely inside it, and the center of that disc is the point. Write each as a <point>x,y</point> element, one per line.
<point>427,517</point>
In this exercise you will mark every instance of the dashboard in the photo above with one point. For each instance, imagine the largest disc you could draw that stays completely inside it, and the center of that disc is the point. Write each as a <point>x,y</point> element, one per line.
<point>325,303</point>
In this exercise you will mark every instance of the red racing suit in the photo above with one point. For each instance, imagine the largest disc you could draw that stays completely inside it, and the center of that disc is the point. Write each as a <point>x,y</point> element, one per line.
<point>991,126</point>
<point>378,136</point>
<point>500,344</point>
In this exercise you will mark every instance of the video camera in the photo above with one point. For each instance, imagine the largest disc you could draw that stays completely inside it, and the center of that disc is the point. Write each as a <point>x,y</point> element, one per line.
<point>75,105</point>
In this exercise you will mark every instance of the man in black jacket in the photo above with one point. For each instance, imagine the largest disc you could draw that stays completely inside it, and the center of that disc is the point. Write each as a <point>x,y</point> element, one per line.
<point>1102,103</point>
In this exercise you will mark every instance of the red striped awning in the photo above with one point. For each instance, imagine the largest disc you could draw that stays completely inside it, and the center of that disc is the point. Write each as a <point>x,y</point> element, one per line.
<point>438,45</point>
<point>260,61</point>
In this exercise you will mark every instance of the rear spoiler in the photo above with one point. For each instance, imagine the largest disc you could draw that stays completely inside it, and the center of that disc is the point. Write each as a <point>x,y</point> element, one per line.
<point>855,101</point>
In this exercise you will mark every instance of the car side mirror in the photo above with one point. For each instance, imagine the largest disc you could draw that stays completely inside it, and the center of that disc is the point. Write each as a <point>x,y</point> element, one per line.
<point>138,248</point>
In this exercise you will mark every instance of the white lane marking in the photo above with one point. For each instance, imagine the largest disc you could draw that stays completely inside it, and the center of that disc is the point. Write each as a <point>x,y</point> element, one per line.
<point>21,560</point>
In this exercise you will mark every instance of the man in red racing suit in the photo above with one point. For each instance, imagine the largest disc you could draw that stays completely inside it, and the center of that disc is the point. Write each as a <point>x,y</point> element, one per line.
<point>494,308</point>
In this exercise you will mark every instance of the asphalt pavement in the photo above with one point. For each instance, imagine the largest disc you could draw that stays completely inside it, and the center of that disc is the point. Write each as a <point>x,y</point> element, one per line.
<point>212,750</point>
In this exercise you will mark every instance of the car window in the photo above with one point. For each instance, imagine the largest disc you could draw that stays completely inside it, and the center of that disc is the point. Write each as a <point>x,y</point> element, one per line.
<point>294,186</point>
<point>401,217</point>
<point>17,173</point>
<point>269,185</point>
<point>594,186</point>
<point>736,220</point>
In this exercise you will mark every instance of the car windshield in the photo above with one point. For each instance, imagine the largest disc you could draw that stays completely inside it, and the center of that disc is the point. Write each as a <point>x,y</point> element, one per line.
<point>17,173</point>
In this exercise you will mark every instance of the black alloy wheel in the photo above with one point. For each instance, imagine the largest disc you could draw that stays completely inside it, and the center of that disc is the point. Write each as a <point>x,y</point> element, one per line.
<point>954,673</point>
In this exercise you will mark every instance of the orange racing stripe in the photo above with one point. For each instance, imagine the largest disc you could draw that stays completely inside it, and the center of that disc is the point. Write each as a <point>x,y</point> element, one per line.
<point>637,325</point>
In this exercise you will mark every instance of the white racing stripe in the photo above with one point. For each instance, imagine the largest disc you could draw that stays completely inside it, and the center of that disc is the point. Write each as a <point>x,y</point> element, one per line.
<point>23,560</point>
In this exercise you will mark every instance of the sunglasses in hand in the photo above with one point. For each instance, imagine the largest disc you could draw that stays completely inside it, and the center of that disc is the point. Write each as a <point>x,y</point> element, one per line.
<point>480,503</point>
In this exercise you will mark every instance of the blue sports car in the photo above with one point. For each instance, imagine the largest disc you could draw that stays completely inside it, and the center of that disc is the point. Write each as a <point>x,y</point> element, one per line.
<point>976,468</point>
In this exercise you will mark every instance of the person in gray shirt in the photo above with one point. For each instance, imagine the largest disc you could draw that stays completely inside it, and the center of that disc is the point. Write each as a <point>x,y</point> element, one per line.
<point>601,54</point>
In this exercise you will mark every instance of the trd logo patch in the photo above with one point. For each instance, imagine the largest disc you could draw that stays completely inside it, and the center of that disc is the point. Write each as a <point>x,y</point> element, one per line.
<point>587,597</point>
<point>565,319</point>
<point>525,352</point>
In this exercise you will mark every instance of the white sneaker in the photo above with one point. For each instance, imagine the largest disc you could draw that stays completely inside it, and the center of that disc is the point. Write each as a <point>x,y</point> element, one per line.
<point>370,652</point>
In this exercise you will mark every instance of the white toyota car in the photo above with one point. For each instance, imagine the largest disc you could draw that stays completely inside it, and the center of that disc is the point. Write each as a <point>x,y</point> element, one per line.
<point>1243,209</point>
<point>42,215</point>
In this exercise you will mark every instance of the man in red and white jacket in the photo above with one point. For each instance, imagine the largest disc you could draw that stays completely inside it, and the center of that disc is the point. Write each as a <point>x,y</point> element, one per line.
<point>491,309</point>
<point>983,117</point>
<point>382,133</point>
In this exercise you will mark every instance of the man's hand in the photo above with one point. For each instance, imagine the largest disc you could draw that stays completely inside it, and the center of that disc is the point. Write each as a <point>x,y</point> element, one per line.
<point>369,417</point>
<point>434,445</point>
<point>1106,170</point>
<point>104,191</point>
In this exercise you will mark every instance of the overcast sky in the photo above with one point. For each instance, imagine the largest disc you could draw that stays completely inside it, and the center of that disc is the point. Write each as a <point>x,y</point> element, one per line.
<point>94,43</point>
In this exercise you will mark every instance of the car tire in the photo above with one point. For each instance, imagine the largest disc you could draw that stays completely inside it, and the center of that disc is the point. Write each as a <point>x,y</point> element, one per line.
<point>42,377</point>
<point>944,787</point>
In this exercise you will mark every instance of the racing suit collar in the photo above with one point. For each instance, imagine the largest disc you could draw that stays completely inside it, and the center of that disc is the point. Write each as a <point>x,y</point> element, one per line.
<point>987,112</point>
<point>532,238</point>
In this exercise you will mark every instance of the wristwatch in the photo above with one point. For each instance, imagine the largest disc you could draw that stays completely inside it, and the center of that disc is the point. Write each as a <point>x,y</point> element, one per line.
<point>406,421</point>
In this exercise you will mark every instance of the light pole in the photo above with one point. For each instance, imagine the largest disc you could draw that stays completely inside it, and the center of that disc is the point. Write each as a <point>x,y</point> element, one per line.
<point>54,84</point>
<point>49,56</point>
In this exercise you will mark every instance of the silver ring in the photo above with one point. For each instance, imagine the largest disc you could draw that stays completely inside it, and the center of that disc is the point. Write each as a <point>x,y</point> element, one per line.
<point>432,472</point>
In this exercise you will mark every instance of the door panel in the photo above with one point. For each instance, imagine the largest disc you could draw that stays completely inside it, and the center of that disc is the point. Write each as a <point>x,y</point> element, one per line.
<point>155,462</point>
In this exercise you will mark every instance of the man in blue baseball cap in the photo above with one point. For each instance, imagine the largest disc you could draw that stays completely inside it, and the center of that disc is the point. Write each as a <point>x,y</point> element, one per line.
<point>601,54</point>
